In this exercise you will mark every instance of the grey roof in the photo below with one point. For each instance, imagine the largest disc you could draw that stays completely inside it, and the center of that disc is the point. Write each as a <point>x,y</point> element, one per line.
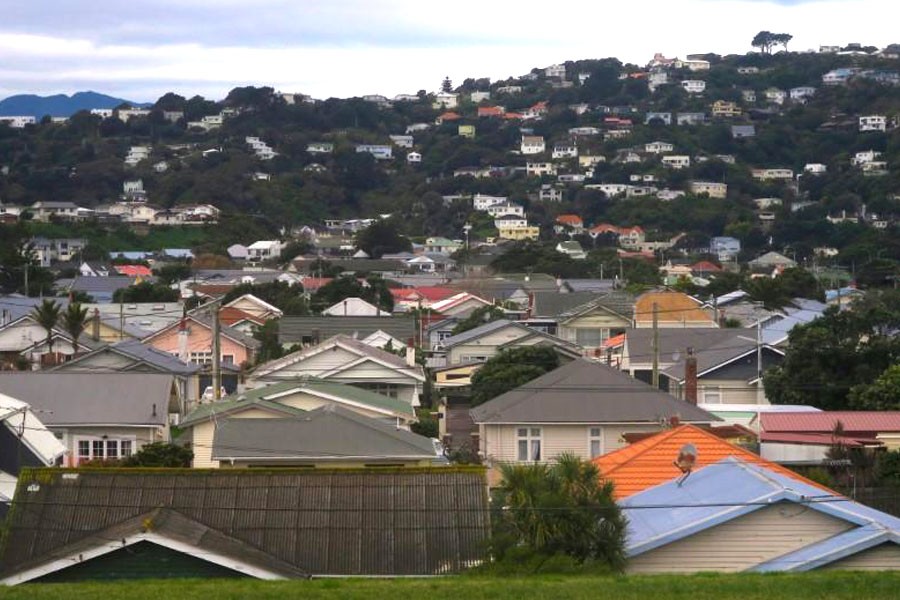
<point>141,353</point>
<point>353,265</point>
<point>327,433</point>
<point>292,330</point>
<point>717,354</point>
<point>553,304</point>
<point>527,331</point>
<point>674,341</point>
<point>621,303</point>
<point>414,521</point>
<point>100,285</point>
<point>584,391</point>
<point>16,306</point>
<point>590,285</point>
<point>92,398</point>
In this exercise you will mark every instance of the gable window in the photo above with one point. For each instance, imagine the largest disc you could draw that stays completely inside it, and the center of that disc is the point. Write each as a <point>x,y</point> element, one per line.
<point>712,396</point>
<point>590,337</point>
<point>595,441</point>
<point>385,389</point>
<point>528,443</point>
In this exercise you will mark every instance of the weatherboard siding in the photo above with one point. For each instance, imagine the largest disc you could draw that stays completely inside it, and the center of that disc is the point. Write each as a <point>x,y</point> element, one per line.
<point>885,557</point>
<point>315,365</point>
<point>203,434</point>
<point>741,543</point>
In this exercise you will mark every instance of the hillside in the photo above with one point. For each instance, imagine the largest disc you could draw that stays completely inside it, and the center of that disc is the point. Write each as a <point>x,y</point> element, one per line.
<point>59,105</point>
<point>806,145</point>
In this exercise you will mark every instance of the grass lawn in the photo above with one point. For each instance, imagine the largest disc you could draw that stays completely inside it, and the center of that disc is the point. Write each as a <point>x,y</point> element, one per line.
<point>814,586</point>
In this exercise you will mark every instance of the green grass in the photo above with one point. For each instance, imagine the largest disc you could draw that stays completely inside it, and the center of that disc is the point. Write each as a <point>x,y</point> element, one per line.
<point>812,586</point>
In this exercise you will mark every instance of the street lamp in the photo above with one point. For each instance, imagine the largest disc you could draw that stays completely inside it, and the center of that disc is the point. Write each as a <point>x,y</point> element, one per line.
<point>466,228</point>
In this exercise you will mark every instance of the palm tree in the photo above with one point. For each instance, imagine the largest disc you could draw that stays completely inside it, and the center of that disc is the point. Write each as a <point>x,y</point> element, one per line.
<point>47,316</point>
<point>73,321</point>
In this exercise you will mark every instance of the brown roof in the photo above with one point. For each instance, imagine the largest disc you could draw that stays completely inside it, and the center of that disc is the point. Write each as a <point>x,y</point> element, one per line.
<point>338,522</point>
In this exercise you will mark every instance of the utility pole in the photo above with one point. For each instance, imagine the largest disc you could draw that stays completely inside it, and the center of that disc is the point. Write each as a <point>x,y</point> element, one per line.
<point>759,368</point>
<point>216,355</point>
<point>655,379</point>
<point>121,321</point>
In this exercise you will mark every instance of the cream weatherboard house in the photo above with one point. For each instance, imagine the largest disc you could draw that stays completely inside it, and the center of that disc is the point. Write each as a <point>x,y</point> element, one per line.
<point>343,359</point>
<point>583,408</point>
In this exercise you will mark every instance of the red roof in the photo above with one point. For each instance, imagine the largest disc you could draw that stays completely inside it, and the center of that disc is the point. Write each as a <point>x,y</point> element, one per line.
<point>490,111</point>
<point>604,228</point>
<point>230,315</point>
<point>133,270</point>
<point>449,116</point>
<point>311,284</point>
<point>615,341</point>
<point>704,266</point>
<point>651,462</point>
<point>512,115</point>
<point>569,219</point>
<point>816,439</point>
<point>825,422</point>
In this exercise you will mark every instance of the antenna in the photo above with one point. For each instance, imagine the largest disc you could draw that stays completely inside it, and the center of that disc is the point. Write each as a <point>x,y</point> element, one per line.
<point>686,461</point>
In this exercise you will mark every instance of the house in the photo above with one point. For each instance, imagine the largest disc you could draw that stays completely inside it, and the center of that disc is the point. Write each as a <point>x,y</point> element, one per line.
<point>725,248</point>
<point>672,309</point>
<point>771,260</point>
<point>806,438</point>
<point>131,356</point>
<point>725,109</point>
<point>441,245</point>
<point>435,262</point>
<point>356,307</point>
<point>485,341</point>
<point>517,231</point>
<point>557,71</point>
<point>815,168</point>
<point>740,132</point>
<point>569,223</point>
<point>550,193</point>
<point>775,95</point>
<point>873,123</point>
<point>445,100</point>
<point>674,161</point>
<point>191,340</point>
<point>342,359</point>
<point>690,118</point>
<point>26,442</point>
<point>98,416</point>
<point>591,322</point>
<point>24,339</point>
<point>466,131</point>
<point>295,533</point>
<point>572,249</point>
<point>693,86</point>
<point>461,305</point>
<point>800,94</point>
<point>770,174</point>
<point>710,188</point>
<point>663,118</point>
<point>379,151</point>
<point>447,117</point>
<point>648,462</point>
<point>414,157</point>
<point>533,144</point>
<point>565,150</point>
<point>256,307</point>
<point>294,398</point>
<point>505,208</point>
<point>582,407</point>
<point>540,169</point>
<point>748,96</point>
<point>48,210</point>
<point>483,201</point>
<point>311,330</point>
<point>263,250</point>
<point>735,515</point>
<point>658,147</point>
<point>320,148</point>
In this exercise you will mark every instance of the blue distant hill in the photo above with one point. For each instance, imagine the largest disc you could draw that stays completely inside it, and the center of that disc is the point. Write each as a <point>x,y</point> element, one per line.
<point>59,105</point>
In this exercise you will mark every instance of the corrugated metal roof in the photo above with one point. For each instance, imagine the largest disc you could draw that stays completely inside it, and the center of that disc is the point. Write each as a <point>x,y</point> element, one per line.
<point>328,522</point>
<point>292,329</point>
<point>826,421</point>
<point>816,439</point>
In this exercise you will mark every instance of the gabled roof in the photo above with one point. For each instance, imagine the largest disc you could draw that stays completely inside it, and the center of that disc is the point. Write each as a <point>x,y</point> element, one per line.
<point>716,356</point>
<point>673,341</point>
<point>18,417</point>
<point>651,461</point>
<point>584,391</point>
<point>92,398</point>
<point>201,317</point>
<point>135,350</point>
<point>456,300</point>
<point>671,307</point>
<point>318,521</point>
<point>732,488</point>
<point>618,303</point>
<point>293,329</point>
<point>826,421</point>
<point>229,315</point>
<point>326,433</point>
<point>258,301</point>
<point>364,351</point>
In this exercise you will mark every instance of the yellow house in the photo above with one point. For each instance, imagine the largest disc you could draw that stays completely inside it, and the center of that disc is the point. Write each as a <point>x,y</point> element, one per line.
<point>529,232</point>
<point>467,131</point>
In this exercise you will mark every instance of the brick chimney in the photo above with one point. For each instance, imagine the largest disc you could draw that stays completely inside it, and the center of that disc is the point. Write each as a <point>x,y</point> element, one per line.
<point>690,377</point>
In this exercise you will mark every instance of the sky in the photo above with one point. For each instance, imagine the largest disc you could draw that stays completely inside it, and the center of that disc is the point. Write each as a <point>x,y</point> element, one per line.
<point>139,50</point>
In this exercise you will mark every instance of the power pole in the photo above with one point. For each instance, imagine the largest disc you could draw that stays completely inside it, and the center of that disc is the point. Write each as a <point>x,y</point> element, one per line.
<point>655,379</point>
<point>759,365</point>
<point>121,321</point>
<point>216,355</point>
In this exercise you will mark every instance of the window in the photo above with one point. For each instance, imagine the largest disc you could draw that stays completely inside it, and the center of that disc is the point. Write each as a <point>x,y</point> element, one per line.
<point>385,389</point>
<point>595,445</point>
<point>84,450</point>
<point>529,444</point>
<point>589,337</point>
<point>228,359</point>
<point>712,396</point>
<point>200,358</point>
<point>104,449</point>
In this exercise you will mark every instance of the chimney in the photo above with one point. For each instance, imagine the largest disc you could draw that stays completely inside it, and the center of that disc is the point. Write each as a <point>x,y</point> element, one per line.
<point>410,353</point>
<point>529,312</point>
<point>95,325</point>
<point>690,377</point>
<point>183,340</point>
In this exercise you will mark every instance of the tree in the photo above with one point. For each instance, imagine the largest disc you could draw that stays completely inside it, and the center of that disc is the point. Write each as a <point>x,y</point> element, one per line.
<point>479,317</point>
<point>47,316</point>
<point>73,321</point>
<point>782,39</point>
<point>382,237</point>
<point>446,85</point>
<point>172,273</point>
<point>160,454</point>
<point>374,291</point>
<point>563,509</point>
<point>511,368</point>
<point>146,292</point>
<point>882,394</point>
<point>288,298</point>
<point>269,348</point>
<point>764,40</point>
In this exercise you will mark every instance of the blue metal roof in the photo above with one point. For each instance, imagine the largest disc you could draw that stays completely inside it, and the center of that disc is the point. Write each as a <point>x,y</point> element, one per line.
<point>732,488</point>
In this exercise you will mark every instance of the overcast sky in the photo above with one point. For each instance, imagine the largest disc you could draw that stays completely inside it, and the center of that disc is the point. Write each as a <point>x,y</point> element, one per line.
<point>139,50</point>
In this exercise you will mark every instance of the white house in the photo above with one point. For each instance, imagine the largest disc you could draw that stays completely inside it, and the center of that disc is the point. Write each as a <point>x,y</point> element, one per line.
<point>801,93</point>
<point>18,122</point>
<point>482,201</point>
<point>658,147</point>
<point>264,250</point>
<point>815,168</point>
<point>379,151</point>
<point>565,150</point>
<point>676,161</point>
<point>414,157</point>
<point>533,144</point>
<point>694,86</point>
<point>767,174</point>
<point>540,169</point>
<point>713,188</point>
<point>445,100</point>
<point>873,123</point>
<point>558,71</point>
<point>775,95</point>
<point>506,208</point>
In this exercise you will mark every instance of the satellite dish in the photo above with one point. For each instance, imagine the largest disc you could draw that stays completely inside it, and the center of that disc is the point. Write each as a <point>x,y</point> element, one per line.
<point>686,461</point>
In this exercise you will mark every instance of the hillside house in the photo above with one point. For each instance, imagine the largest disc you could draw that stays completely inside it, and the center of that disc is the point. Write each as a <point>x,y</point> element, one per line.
<point>711,188</point>
<point>694,86</point>
<point>533,144</point>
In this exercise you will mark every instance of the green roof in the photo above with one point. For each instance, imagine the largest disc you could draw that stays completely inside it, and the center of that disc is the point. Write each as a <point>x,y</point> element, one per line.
<point>262,396</point>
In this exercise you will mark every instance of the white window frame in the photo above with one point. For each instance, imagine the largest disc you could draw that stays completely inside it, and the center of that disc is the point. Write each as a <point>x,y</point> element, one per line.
<point>104,444</point>
<point>200,358</point>
<point>594,435</point>
<point>714,391</point>
<point>532,437</point>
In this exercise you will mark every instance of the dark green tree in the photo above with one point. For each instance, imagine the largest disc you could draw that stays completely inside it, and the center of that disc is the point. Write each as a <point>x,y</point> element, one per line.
<point>511,368</point>
<point>479,317</point>
<point>160,454</point>
<point>882,394</point>
<point>288,298</point>
<point>560,509</point>
<point>382,237</point>
<point>46,314</point>
<point>146,292</point>
<point>73,321</point>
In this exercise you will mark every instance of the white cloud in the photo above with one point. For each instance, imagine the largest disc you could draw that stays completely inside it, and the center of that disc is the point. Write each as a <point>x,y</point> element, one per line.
<point>349,47</point>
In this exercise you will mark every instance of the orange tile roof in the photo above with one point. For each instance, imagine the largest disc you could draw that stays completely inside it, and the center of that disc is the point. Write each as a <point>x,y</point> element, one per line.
<point>569,219</point>
<point>672,307</point>
<point>651,462</point>
<point>230,315</point>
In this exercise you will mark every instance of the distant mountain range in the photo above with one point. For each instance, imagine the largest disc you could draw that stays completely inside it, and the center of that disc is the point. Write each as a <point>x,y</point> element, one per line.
<point>59,105</point>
